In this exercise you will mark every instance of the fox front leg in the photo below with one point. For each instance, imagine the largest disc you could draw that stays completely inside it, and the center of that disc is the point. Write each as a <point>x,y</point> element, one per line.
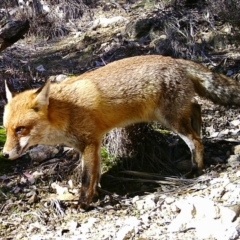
<point>90,173</point>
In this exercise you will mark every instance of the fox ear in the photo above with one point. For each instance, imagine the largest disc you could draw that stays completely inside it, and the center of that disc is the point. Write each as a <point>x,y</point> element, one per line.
<point>9,93</point>
<point>42,93</point>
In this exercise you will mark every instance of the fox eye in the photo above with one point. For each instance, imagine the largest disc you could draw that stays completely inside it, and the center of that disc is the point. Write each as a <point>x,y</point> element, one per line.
<point>19,130</point>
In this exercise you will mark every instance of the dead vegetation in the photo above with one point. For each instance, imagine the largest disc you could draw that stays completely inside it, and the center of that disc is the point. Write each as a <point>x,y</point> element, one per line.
<point>185,29</point>
<point>63,40</point>
<point>139,159</point>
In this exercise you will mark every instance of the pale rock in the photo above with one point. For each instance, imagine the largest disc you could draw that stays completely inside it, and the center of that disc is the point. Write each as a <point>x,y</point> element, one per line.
<point>238,173</point>
<point>236,149</point>
<point>183,219</point>
<point>125,232</point>
<point>235,123</point>
<point>209,219</point>
<point>135,199</point>
<point>61,78</point>
<point>233,160</point>
<point>72,226</point>
<point>145,218</point>
<point>145,204</point>
<point>129,228</point>
<point>34,226</point>
<point>234,131</point>
<point>169,200</point>
<point>224,132</point>
<point>174,208</point>
<point>59,189</point>
<point>106,22</point>
<point>214,135</point>
<point>214,229</point>
<point>70,183</point>
<point>77,34</point>
<point>223,180</point>
<point>205,208</point>
<point>37,174</point>
<point>227,215</point>
<point>232,194</point>
<point>217,193</point>
<point>227,28</point>
<point>86,227</point>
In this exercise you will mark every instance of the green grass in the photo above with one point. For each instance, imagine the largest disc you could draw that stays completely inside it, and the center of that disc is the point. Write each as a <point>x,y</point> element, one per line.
<point>108,161</point>
<point>5,165</point>
<point>2,136</point>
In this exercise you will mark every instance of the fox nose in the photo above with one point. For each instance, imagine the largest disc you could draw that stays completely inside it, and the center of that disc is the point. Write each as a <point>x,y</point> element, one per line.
<point>6,155</point>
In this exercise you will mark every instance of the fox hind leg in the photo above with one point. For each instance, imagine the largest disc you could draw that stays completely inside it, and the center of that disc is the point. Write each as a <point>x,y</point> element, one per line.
<point>190,136</point>
<point>196,118</point>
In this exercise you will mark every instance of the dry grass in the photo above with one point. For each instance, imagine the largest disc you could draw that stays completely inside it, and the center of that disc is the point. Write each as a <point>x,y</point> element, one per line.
<point>54,19</point>
<point>147,148</point>
<point>226,10</point>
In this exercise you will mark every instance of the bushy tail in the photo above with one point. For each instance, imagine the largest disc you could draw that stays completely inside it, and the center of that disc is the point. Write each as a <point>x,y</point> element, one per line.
<point>216,87</point>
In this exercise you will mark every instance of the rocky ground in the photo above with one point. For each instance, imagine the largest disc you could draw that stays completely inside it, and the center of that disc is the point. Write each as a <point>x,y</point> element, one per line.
<point>202,208</point>
<point>38,193</point>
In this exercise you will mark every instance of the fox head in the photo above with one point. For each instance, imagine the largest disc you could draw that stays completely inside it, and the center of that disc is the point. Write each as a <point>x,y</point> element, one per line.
<point>23,118</point>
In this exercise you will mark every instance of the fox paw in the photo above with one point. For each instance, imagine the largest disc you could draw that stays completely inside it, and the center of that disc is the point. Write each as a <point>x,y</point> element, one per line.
<point>86,198</point>
<point>195,172</point>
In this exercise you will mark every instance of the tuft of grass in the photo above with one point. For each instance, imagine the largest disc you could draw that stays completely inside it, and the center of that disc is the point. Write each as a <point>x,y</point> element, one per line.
<point>2,136</point>
<point>108,160</point>
<point>5,165</point>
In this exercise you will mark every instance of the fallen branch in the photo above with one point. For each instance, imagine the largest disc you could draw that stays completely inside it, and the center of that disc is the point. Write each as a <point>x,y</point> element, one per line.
<point>11,31</point>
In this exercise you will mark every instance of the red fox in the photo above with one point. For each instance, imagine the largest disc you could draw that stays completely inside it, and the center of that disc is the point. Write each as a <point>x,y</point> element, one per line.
<point>81,110</point>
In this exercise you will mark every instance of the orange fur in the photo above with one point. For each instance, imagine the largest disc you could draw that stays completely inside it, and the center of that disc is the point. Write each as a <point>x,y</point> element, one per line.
<point>79,111</point>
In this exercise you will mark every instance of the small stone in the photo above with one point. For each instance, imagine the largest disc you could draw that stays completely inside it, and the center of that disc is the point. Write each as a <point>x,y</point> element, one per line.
<point>128,230</point>
<point>43,152</point>
<point>238,173</point>
<point>236,149</point>
<point>136,198</point>
<point>33,199</point>
<point>169,200</point>
<point>235,123</point>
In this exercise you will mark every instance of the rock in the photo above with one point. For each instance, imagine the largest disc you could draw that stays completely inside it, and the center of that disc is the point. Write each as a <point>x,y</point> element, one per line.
<point>148,202</point>
<point>229,73</point>
<point>201,213</point>
<point>183,220</point>
<point>61,78</point>
<point>58,78</point>
<point>40,68</point>
<point>86,227</point>
<point>169,200</point>
<point>43,152</point>
<point>127,231</point>
<point>106,22</point>
<point>214,229</point>
<point>72,226</point>
<point>236,149</point>
<point>135,199</point>
<point>233,160</point>
<point>235,123</point>
<point>223,133</point>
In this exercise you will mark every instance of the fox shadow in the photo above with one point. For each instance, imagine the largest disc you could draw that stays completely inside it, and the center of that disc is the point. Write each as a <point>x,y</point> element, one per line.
<point>156,157</point>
